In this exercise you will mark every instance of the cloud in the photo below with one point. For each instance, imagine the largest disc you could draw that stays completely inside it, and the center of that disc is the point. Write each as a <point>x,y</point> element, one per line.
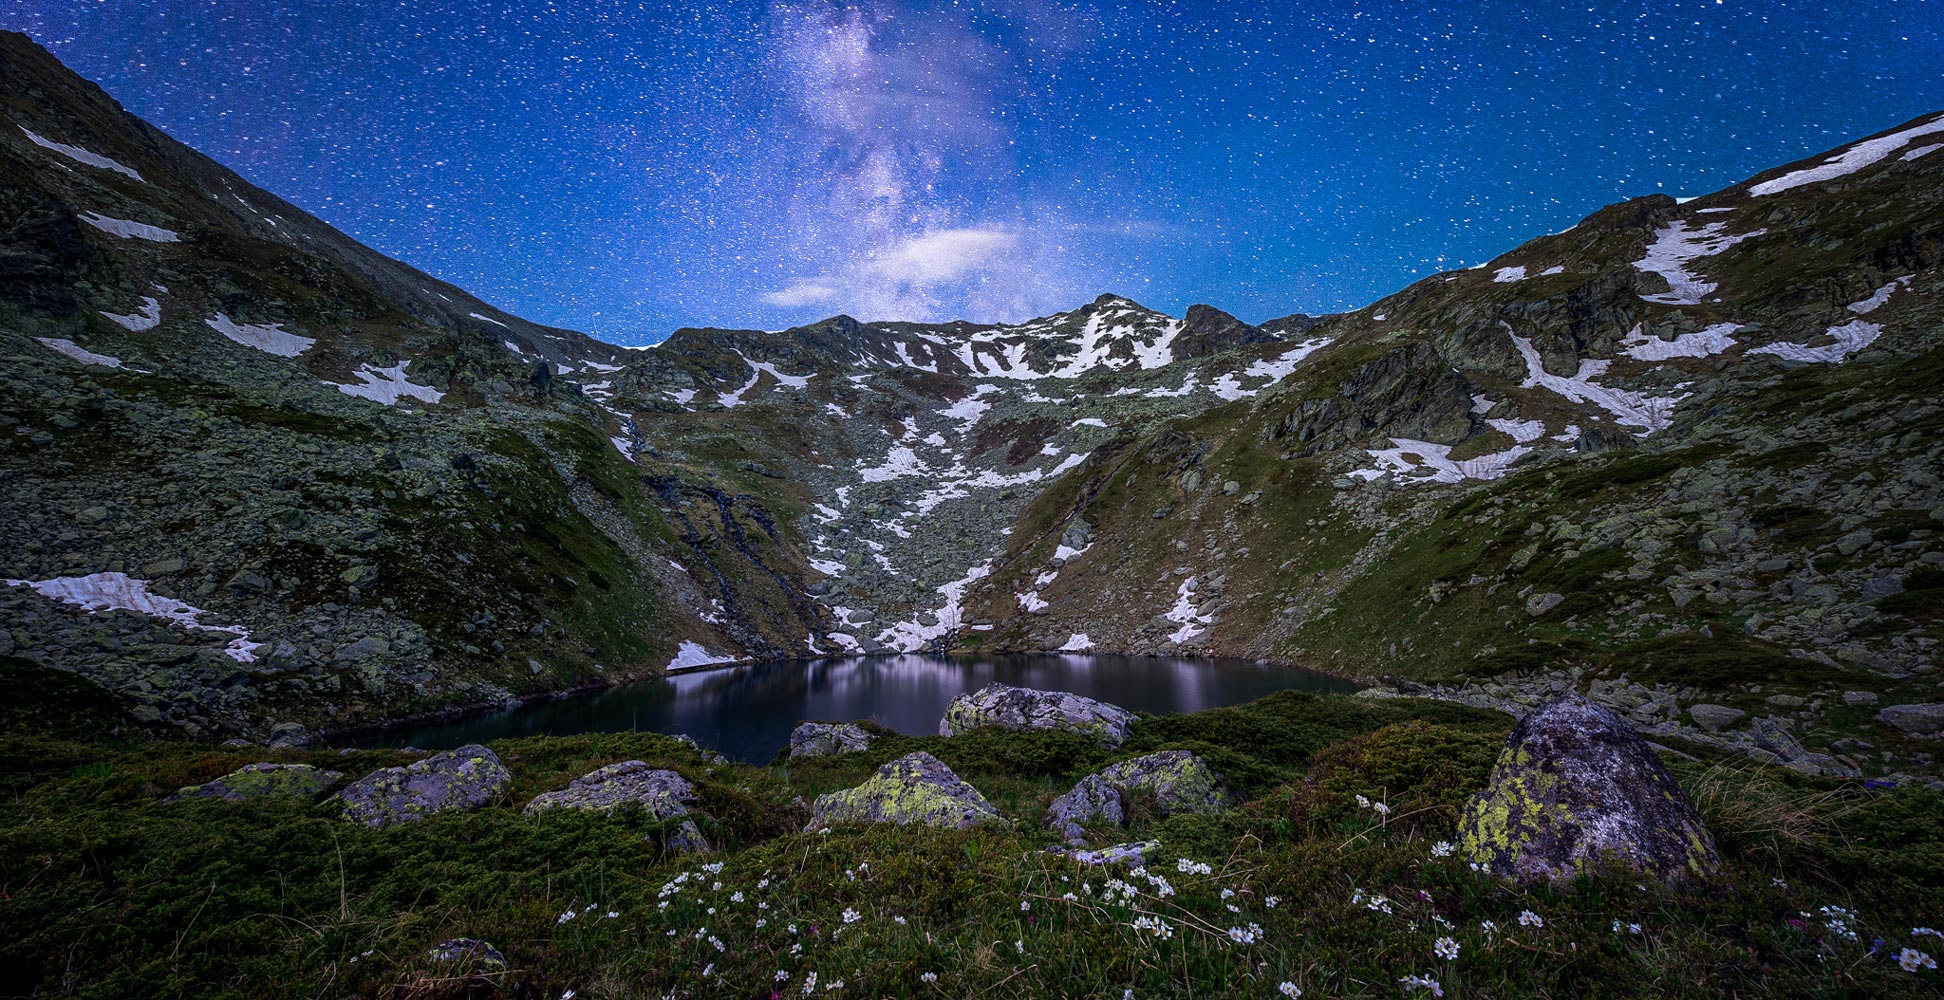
<point>945,255</point>
<point>802,292</point>
<point>895,172</point>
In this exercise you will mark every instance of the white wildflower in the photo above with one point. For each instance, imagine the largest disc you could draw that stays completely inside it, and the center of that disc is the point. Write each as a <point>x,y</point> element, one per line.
<point>852,916</point>
<point>1911,959</point>
<point>1442,849</point>
<point>1445,948</point>
<point>1423,983</point>
<point>1289,989</point>
<point>929,977</point>
<point>1527,918</point>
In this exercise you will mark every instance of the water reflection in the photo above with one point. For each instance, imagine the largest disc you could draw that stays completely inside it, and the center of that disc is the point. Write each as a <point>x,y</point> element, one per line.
<point>746,713</point>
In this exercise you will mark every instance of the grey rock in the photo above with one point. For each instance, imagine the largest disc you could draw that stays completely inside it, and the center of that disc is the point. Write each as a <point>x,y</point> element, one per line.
<point>914,789</point>
<point>1917,720</point>
<point>1539,604</point>
<point>1715,718</point>
<point>1859,699</point>
<point>663,793</point>
<point>1179,781</point>
<point>1133,855</point>
<point>828,739</point>
<point>456,779</point>
<point>470,953</point>
<point>256,781</point>
<point>1575,787</point>
<point>1092,800</point>
<point>289,736</point>
<point>1025,708</point>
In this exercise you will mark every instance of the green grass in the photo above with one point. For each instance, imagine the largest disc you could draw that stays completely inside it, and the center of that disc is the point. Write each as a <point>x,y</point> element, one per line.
<point>112,892</point>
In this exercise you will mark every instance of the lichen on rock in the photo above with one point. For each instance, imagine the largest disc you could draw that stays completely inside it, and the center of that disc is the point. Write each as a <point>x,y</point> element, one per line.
<point>255,781</point>
<point>914,789</point>
<point>1179,781</point>
<point>664,794</point>
<point>1092,800</point>
<point>456,779</point>
<point>1575,788</point>
<point>828,739</point>
<point>1016,708</point>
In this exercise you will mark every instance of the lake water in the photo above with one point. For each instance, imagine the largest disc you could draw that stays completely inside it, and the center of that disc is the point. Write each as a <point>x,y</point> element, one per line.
<point>746,713</point>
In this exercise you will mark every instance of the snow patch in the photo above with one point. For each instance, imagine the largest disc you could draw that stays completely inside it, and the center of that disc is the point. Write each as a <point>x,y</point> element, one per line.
<point>1522,431</point>
<point>79,155</point>
<point>1506,275</point>
<point>1029,601</point>
<point>1875,301</point>
<point>121,592</point>
<point>901,462</point>
<point>1185,614</point>
<point>487,319</point>
<point>1649,413</point>
<point>1700,344</point>
<point>130,230</point>
<point>1849,160</point>
<point>1847,339</point>
<point>136,322</point>
<point>1434,464</point>
<point>1674,247</point>
<point>692,655</point>
<point>268,339</point>
<point>1921,151</point>
<point>388,385</point>
<point>1078,642</point>
<point>79,353</point>
<point>909,637</point>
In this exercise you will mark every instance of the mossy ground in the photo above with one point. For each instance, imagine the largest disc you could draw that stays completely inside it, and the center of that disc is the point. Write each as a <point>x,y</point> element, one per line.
<point>109,891</point>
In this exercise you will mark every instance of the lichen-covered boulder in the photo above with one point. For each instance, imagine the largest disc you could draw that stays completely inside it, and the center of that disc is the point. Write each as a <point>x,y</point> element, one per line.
<point>1181,782</point>
<point>1133,855</point>
<point>256,781</point>
<point>828,739</point>
<point>664,794</point>
<point>1025,708</point>
<point>456,779</point>
<point>916,788</point>
<point>1576,787</point>
<point>1092,800</point>
<point>1917,720</point>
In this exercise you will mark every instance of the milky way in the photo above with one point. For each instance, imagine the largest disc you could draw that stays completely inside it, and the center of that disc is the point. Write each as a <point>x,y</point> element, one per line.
<point>629,168</point>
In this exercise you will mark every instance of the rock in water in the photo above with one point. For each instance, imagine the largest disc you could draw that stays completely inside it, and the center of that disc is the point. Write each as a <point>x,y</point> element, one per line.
<point>456,779</point>
<point>255,781</point>
<point>1092,800</point>
<point>1024,708</point>
<point>663,793</point>
<point>915,788</point>
<point>1181,782</point>
<point>1576,787</point>
<point>827,739</point>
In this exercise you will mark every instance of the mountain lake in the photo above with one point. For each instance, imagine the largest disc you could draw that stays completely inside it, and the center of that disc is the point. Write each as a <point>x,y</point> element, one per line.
<point>746,712</point>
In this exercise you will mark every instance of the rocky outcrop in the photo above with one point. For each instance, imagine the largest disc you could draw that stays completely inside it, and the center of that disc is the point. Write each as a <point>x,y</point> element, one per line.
<point>1092,800</point>
<point>256,781</point>
<point>1917,720</point>
<point>1179,781</point>
<point>456,779</point>
<point>1024,708</point>
<point>664,794</point>
<point>828,739</point>
<point>1575,788</point>
<point>914,789</point>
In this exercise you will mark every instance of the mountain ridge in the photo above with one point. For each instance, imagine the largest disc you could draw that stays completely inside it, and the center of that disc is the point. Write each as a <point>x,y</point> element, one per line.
<point>411,502</point>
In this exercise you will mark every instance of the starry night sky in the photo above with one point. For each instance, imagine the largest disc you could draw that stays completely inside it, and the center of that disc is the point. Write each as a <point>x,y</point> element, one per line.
<point>628,168</point>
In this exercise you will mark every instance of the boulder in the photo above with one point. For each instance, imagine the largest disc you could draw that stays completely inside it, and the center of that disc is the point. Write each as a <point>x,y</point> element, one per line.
<point>663,793</point>
<point>1092,800</point>
<point>1134,855</point>
<point>256,781</point>
<point>1917,720</point>
<point>828,739</point>
<point>1024,708</point>
<point>456,779</point>
<point>915,788</point>
<point>289,736</point>
<point>1715,718</point>
<point>469,952</point>
<point>1181,782</point>
<point>1576,787</point>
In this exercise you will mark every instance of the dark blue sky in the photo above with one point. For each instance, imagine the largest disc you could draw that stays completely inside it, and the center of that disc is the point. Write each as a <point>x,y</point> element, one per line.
<point>627,168</point>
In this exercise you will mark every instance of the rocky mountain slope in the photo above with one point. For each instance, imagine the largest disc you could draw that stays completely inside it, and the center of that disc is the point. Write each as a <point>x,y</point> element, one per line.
<point>1684,455</point>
